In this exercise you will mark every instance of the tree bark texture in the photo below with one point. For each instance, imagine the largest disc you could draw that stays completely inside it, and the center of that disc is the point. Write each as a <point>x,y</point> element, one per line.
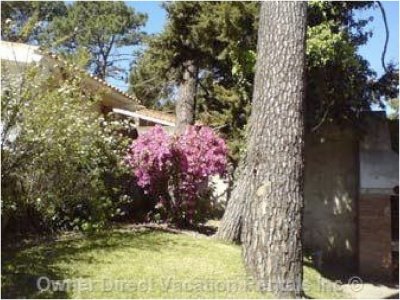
<point>232,221</point>
<point>185,105</point>
<point>272,185</point>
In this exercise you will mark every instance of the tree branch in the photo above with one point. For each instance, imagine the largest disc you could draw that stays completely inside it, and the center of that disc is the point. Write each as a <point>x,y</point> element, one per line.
<point>323,117</point>
<point>387,35</point>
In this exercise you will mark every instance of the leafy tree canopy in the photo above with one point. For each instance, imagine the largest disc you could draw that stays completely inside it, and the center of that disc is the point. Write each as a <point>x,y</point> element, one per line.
<point>24,21</point>
<point>221,38</point>
<point>97,28</point>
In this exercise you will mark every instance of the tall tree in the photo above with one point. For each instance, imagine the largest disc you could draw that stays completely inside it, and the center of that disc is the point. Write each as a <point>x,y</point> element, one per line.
<point>25,21</point>
<point>210,37</point>
<point>99,28</point>
<point>181,16</point>
<point>183,56</point>
<point>340,83</point>
<point>273,186</point>
<point>185,105</point>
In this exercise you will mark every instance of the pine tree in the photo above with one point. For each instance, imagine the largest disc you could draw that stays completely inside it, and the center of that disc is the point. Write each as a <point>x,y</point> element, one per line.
<point>340,83</point>
<point>97,28</point>
<point>222,37</point>
<point>26,21</point>
<point>273,185</point>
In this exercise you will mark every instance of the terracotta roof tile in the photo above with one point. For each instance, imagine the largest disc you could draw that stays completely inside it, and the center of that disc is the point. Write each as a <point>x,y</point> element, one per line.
<point>99,80</point>
<point>168,117</point>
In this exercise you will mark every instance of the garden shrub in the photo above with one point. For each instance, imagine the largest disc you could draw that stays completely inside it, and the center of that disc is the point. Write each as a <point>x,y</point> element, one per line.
<point>61,158</point>
<point>175,170</point>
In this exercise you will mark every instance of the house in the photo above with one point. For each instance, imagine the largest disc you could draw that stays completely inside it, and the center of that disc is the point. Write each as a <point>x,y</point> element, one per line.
<point>16,57</point>
<point>351,179</point>
<point>351,197</point>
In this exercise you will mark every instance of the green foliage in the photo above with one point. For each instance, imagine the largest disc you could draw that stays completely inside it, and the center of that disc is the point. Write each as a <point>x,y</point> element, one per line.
<point>99,28</point>
<point>323,45</point>
<point>25,21</point>
<point>58,154</point>
<point>149,79</point>
<point>221,38</point>
<point>341,83</point>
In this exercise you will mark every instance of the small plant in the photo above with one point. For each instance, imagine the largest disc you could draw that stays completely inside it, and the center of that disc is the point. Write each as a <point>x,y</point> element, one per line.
<point>176,170</point>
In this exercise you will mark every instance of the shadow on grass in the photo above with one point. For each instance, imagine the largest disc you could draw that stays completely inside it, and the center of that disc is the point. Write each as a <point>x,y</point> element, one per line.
<point>339,272</point>
<point>343,276</point>
<point>23,263</point>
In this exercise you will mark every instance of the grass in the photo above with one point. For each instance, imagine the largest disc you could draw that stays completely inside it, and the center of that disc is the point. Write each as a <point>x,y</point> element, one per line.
<point>122,263</point>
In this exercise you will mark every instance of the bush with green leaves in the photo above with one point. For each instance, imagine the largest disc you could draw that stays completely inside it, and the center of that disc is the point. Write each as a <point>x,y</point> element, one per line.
<point>61,158</point>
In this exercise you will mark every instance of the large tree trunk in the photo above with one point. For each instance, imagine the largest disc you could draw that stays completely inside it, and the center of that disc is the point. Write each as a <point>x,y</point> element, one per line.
<point>272,187</point>
<point>185,105</point>
<point>232,221</point>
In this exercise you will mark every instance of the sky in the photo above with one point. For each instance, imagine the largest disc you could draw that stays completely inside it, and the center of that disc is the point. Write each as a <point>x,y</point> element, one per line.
<point>155,23</point>
<point>372,51</point>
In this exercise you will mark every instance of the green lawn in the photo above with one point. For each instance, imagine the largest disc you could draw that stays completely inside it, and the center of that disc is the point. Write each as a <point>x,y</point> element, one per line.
<point>122,263</point>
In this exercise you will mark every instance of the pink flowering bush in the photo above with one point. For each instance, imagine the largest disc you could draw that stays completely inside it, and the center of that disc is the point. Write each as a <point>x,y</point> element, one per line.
<point>176,170</point>
<point>150,157</point>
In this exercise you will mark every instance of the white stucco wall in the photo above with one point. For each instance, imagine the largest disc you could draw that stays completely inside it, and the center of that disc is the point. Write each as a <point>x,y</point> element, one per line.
<point>379,169</point>
<point>379,164</point>
<point>21,53</point>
